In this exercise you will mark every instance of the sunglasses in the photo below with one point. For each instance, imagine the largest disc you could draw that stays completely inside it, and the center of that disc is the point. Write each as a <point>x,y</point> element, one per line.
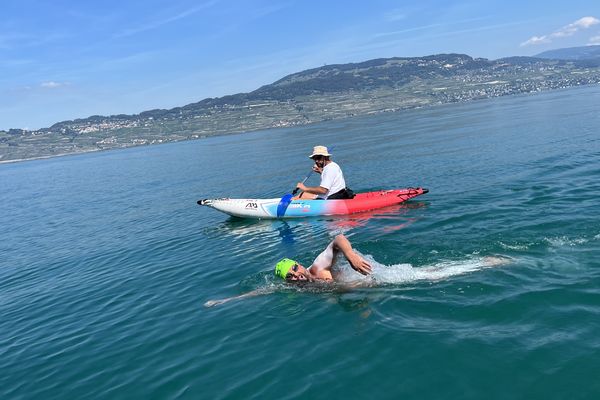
<point>290,275</point>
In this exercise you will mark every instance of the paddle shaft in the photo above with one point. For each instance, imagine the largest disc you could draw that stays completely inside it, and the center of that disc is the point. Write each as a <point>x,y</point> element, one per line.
<point>305,179</point>
<point>287,199</point>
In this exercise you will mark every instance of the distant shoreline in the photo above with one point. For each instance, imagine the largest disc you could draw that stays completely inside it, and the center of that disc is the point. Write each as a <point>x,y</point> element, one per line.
<point>217,134</point>
<point>52,156</point>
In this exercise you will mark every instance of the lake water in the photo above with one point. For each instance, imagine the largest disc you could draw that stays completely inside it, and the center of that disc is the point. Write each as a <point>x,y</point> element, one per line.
<point>106,262</point>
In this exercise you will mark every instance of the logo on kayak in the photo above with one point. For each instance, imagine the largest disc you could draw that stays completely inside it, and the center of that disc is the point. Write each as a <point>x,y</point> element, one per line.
<point>300,205</point>
<point>251,206</point>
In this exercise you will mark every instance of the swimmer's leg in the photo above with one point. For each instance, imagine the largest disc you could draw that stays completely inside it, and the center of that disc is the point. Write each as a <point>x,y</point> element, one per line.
<point>492,261</point>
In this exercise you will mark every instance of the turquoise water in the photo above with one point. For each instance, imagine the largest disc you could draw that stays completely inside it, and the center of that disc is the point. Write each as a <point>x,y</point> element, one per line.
<point>106,262</point>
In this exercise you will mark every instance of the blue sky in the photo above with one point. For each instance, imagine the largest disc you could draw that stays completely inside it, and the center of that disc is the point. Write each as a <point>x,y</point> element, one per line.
<point>68,59</point>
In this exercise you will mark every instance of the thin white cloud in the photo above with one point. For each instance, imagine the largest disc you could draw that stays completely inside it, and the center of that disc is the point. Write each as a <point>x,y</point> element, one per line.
<point>594,40</point>
<point>570,29</point>
<point>586,22</point>
<point>536,40</point>
<point>10,41</point>
<point>273,8</point>
<point>15,63</point>
<point>427,27</point>
<point>127,61</point>
<point>395,15</point>
<point>156,24</point>
<point>565,31</point>
<point>402,31</point>
<point>479,29</point>
<point>52,84</point>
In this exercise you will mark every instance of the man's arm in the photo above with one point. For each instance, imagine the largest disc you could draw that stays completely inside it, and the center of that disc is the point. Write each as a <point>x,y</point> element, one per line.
<point>257,292</point>
<point>342,244</point>
<point>311,189</point>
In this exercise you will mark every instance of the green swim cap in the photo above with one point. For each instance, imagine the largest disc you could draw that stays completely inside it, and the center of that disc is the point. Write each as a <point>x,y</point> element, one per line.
<point>283,267</point>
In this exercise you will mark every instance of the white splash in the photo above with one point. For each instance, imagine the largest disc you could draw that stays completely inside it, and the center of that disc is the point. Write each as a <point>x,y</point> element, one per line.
<point>514,246</point>
<point>406,273</point>
<point>562,241</point>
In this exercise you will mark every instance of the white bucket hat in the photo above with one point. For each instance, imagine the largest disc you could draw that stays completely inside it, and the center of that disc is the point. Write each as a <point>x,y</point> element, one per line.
<point>320,151</point>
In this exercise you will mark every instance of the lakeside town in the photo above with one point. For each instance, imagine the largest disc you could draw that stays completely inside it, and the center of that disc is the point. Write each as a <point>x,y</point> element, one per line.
<point>321,94</point>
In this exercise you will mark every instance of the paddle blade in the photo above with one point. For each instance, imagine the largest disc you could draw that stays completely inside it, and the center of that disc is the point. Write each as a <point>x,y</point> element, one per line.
<point>283,205</point>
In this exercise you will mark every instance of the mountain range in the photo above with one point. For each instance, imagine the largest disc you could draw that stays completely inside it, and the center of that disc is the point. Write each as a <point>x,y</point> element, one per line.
<point>319,94</point>
<point>572,53</point>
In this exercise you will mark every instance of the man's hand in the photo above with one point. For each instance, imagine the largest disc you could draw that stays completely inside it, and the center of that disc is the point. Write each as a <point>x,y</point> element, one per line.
<point>301,186</point>
<point>359,264</point>
<point>356,262</point>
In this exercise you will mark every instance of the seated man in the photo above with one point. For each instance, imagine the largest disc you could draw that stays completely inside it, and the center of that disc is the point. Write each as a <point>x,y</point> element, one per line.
<point>333,185</point>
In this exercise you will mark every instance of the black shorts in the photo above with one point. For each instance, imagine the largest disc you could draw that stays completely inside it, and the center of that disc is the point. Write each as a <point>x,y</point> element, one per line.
<point>345,193</point>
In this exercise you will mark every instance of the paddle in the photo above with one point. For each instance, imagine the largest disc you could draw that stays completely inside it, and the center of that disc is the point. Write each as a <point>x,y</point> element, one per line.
<point>287,199</point>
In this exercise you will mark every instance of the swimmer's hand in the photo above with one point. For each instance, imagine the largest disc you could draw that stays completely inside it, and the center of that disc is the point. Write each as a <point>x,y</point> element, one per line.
<point>256,292</point>
<point>359,264</point>
<point>356,262</point>
<point>212,303</point>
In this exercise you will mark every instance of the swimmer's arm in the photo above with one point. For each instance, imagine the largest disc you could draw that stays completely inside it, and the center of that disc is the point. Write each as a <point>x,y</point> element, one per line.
<point>257,292</point>
<point>342,244</point>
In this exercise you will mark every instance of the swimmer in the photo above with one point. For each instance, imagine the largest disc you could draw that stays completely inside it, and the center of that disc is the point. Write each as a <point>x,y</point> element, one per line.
<point>320,270</point>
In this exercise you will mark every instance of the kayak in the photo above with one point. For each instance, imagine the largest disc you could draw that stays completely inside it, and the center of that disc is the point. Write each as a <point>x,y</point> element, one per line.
<point>267,208</point>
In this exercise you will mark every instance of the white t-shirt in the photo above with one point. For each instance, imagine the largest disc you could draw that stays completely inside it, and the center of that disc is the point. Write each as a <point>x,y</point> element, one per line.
<point>332,179</point>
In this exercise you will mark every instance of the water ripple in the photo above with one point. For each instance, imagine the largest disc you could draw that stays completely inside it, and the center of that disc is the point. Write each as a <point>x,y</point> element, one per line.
<point>108,260</point>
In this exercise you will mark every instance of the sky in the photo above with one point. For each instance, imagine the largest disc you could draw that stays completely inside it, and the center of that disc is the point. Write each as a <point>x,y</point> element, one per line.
<point>67,59</point>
